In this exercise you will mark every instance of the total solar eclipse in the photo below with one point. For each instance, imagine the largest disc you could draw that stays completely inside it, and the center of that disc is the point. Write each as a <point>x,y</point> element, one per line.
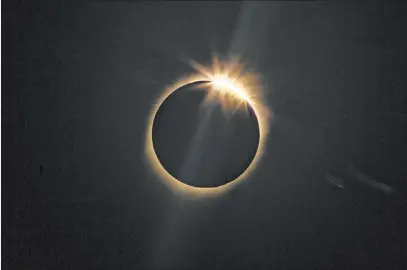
<point>189,134</point>
<point>207,132</point>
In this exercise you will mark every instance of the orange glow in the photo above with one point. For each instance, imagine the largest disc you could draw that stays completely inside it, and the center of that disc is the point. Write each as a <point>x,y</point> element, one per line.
<point>233,88</point>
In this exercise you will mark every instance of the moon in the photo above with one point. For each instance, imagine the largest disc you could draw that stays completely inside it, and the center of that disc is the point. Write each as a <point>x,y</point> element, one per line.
<point>200,144</point>
<point>245,86</point>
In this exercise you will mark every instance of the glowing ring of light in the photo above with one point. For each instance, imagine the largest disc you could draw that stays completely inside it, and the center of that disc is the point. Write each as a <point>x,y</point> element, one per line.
<point>175,185</point>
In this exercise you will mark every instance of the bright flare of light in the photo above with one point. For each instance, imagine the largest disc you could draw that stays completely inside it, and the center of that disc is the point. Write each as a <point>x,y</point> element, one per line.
<point>228,93</point>
<point>225,85</point>
<point>234,88</point>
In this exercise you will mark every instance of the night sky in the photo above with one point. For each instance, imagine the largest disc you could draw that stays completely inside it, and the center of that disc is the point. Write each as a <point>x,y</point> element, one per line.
<point>79,82</point>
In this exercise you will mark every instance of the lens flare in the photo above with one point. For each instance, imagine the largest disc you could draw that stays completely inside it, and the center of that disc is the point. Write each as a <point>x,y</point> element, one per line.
<point>234,88</point>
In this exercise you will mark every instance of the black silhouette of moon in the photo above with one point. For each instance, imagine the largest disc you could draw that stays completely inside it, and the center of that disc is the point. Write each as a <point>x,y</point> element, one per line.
<point>199,144</point>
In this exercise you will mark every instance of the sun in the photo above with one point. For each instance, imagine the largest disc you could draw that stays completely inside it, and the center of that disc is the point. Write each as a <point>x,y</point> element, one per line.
<point>234,88</point>
<point>231,85</point>
<point>227,93</point>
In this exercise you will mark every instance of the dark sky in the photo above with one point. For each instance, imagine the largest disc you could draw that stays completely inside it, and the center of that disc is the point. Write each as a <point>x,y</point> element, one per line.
<point>78,83</point>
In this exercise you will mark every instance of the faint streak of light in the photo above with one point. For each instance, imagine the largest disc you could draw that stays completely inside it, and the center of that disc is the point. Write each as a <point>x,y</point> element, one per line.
<point>244,35</point>
<point>191,159</point>
<point>362,178</point>
<point>249,37</point>
<point>336,181</point>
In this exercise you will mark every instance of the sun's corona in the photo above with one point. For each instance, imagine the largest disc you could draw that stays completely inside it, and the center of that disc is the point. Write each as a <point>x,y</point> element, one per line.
<point>233,88</point>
